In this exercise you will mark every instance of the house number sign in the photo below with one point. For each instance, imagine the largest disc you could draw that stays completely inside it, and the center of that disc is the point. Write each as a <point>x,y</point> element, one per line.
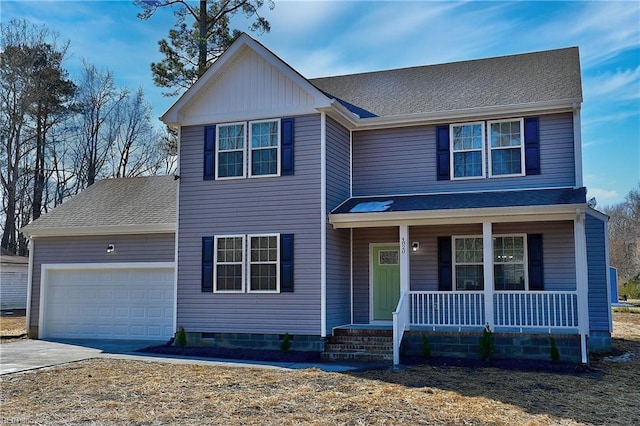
<point>403,246</point>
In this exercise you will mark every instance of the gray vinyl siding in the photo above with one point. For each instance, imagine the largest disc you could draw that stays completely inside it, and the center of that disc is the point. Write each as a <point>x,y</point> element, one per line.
<point>403,161</point>
<point>338,240</point>
<point>92,249</point>
<point>285,204</point>
<point>599,309</point>
<point>558,256</point>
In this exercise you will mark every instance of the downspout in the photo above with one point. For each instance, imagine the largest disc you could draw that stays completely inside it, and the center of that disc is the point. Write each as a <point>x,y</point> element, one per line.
<point>29,284</point>
<point>323,224</point>
<point>176,240</point>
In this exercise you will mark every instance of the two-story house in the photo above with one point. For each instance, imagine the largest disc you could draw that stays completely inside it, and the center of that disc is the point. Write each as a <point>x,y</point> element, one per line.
<point>427,201</point>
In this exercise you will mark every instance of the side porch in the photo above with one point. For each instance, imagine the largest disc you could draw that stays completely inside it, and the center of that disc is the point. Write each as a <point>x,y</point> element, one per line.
<point>447,275</point>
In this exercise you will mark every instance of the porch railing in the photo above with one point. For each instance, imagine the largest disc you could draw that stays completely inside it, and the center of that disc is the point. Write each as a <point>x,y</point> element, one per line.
<point>540,309</point>
<point>400,324</point>
<point>439,308</point>
<point>512,309</point>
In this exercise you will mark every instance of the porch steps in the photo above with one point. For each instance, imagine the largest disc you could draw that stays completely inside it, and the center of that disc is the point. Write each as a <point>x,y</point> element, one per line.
<point>365,345</point>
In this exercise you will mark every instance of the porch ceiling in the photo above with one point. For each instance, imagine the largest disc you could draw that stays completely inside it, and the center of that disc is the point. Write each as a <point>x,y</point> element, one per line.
<point>433,209</point>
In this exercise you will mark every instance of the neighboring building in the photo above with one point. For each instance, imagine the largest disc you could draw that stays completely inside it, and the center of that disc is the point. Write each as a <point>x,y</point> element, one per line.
<point>13,280</point>
<point>429,200</point>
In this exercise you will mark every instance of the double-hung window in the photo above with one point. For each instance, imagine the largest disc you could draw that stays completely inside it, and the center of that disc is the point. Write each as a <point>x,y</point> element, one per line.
<point>229,264</point>
<point>230,146</point>
<point>467,148</point>
<point>263,263</point>
<point>509,262</point>
<point>265,148</point>
<point>468,271</point>
<point>248,148</point>
<point>506,150</point>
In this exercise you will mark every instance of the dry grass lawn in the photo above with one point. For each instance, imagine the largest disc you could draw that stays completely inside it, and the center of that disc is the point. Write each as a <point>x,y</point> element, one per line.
<point>12,326</point>
<point>109,391</point>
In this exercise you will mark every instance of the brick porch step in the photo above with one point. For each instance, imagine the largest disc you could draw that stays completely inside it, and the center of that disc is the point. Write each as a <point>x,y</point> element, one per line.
<point>365,345</point>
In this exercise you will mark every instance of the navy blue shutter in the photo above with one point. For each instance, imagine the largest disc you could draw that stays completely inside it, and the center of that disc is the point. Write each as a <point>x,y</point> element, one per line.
<point>532,145</point>
<point>286,146</point>
<point>442,142</point>
<point>209,152</point>
<point>445,266</point>
<point>536,270</point>
<point>207,264</point>
<point>286,263</point>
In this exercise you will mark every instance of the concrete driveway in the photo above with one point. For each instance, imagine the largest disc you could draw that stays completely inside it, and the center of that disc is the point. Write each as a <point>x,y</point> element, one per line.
<point>33,354</point>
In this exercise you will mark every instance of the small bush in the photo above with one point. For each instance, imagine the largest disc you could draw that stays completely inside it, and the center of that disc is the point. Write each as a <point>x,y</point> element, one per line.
<point>486,344</point>
<point>631,288</point>
<point>553,351</point>
<point>426,347</point>
<point>285,345</point>
<point>181,338</point>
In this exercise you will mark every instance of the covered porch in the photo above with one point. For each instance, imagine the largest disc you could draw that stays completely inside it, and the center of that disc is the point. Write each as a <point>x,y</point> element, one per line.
<point>461,270</point>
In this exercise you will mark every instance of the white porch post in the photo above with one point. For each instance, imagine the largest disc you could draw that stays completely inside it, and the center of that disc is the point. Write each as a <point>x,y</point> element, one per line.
<point>487,260</point>
<point>404,259</point>
<point>582,280</point>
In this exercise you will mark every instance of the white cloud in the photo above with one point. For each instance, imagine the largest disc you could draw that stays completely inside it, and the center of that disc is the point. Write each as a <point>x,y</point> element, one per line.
<point>603,196</point>
<point>623,84</point>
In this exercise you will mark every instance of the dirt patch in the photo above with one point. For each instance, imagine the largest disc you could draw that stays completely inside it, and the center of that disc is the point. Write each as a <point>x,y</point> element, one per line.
<point>12,325</point>
<point>108,391</point>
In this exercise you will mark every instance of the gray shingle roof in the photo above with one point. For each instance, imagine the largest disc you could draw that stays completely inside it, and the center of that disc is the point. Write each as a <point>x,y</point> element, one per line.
<point>547,76</point>
<point>406,203</point>
<point>116,202</point>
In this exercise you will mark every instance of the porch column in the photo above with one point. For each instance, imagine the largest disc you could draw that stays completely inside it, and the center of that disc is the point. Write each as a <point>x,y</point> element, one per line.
<point>487,260</point>
<point>404,259</point>
<point>582,280</point>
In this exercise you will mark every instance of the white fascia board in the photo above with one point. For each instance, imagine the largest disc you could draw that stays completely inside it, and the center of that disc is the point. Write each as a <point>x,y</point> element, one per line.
<point>443,217</point>
<point>73,231</point>
<point>484,113</point>
<point>173,116</point>
<point>202,119</point>
<point>597,214</point>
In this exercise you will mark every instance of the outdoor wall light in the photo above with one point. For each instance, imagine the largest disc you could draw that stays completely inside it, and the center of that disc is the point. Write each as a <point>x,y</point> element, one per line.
<point>415,246</point>
<point>111,248</point>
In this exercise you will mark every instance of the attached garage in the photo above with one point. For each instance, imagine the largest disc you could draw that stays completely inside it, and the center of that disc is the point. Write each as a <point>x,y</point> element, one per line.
<point>110,301</point>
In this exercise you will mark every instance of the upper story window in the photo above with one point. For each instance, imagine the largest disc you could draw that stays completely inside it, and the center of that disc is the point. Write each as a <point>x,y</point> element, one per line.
<point>506,150</point>
<point>230,143</point>
<point>261,157</point>
<point>265,148</point>
<point>467,149</point>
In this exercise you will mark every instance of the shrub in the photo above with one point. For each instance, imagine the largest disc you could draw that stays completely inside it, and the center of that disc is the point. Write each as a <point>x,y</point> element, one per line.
<point>181,338</point>
<point>486,344</point>
<point>631,288</point>
<point>555,354</point>
<point>426,347</point>
<point>285,345</point>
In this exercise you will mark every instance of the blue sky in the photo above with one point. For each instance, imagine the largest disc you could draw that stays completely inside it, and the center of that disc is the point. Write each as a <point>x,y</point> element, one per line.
<point>339,37</point>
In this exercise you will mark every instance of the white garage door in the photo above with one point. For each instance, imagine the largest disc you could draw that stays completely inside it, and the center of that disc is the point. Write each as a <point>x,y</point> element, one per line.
<point>108,303</point>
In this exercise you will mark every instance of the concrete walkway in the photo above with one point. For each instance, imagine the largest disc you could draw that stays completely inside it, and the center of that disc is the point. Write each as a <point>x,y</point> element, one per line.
<point>34,354</point>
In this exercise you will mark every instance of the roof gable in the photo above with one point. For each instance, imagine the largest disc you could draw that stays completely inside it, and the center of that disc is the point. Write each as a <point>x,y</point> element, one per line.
<point>248,81</point>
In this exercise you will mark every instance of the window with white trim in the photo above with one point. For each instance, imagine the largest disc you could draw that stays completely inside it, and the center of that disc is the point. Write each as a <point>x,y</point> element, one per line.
<point>264,263</point>
<point>230,148</point>
<point>264,148</point>
<point>509,262</point>
<point>228,258</point>
<point>467,150</point>
<point>468,269</point>
<point>506,147</point>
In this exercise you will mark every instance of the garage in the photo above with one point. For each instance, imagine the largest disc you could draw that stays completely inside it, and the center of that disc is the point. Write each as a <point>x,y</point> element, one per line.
<point>108,301</point>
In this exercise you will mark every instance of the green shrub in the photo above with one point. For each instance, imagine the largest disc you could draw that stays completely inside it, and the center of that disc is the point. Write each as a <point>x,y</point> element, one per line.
<point>631,288</point>
<point>486,344</point>
<point>285,345</point>
<point>426,347</point>
<point>181,338</point>
<point>554,352</point>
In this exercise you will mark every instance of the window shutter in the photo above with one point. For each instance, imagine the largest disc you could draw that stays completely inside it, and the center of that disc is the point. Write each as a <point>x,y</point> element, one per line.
<point>536,271</point>
<point>286,146</point>
<point>209,152</point>
<point>445,266</point>
<point>286,263</point>
<point>442,142</point>
<point>207,264</point>
<point>532,145</point>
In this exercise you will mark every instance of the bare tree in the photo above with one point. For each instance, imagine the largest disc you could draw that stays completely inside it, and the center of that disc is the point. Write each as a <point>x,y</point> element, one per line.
<point>624,235</point>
